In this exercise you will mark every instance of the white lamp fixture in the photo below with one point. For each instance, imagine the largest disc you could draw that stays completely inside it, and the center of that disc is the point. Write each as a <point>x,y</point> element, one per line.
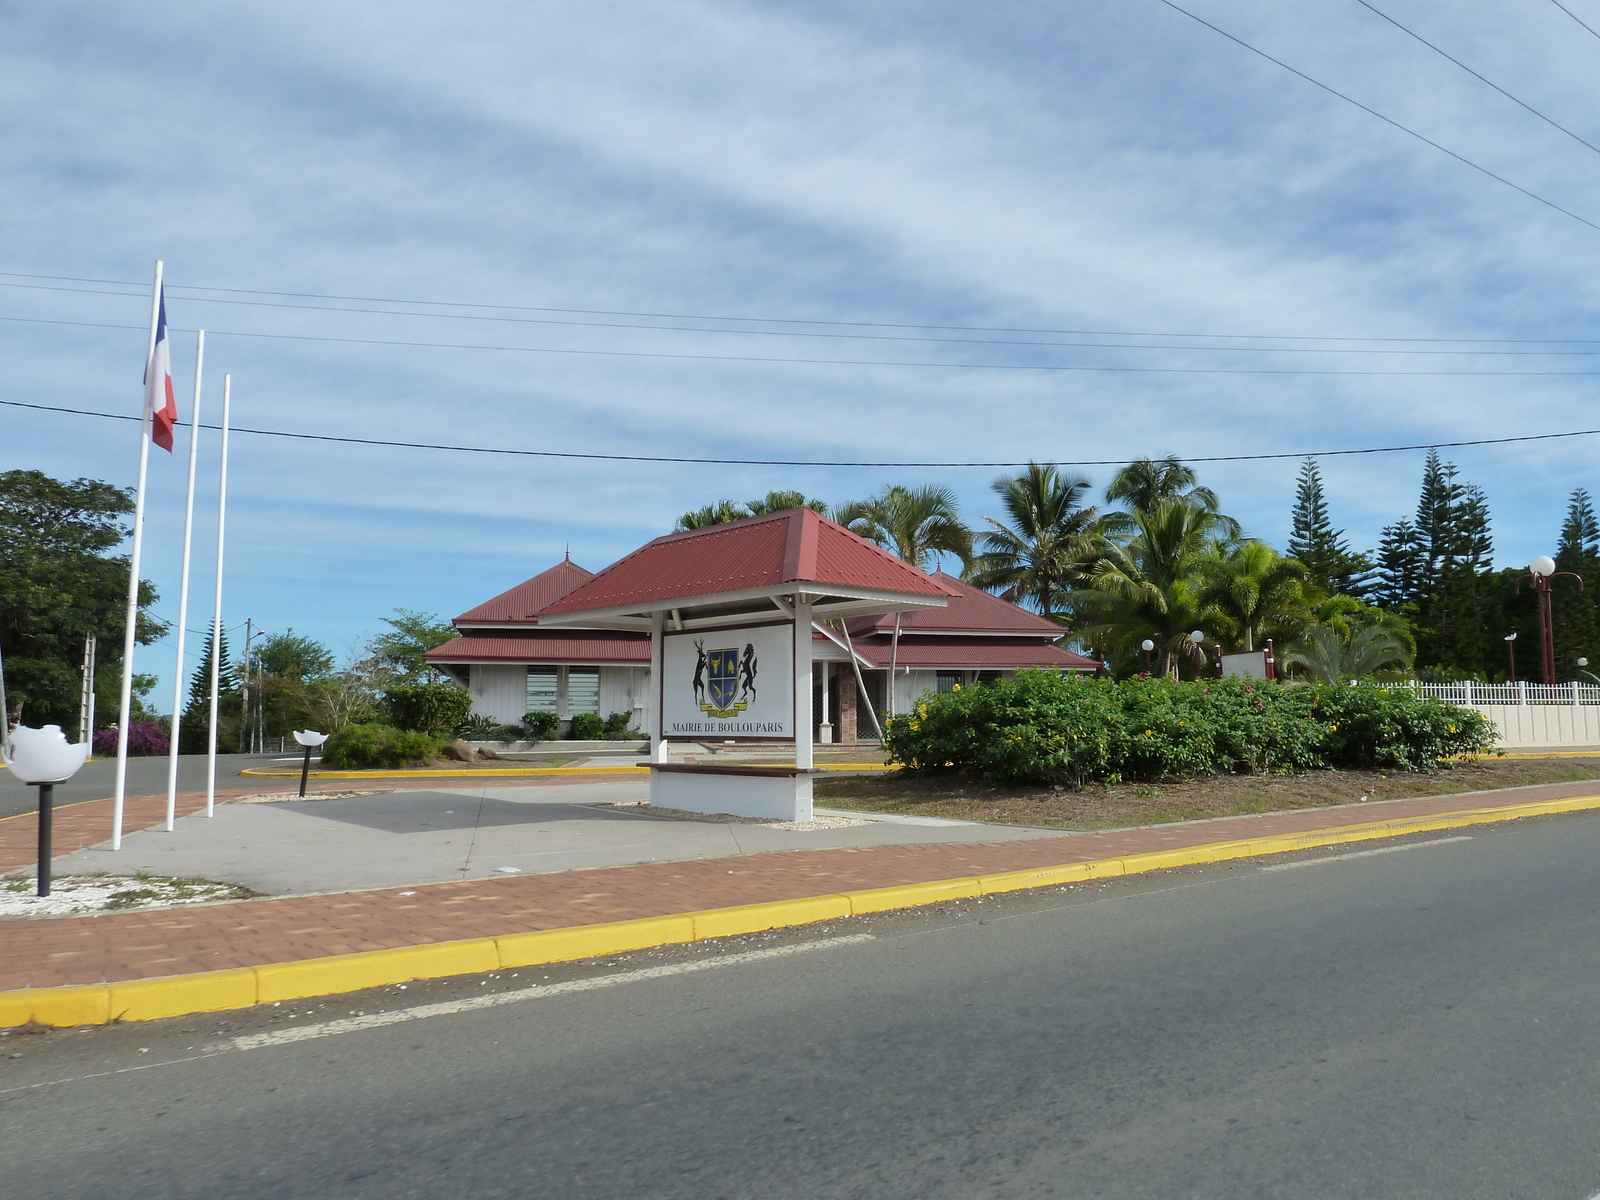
<point>1542,564</point>
<point>44,758</point>
<point>44,755</point>
<point>1197,636</point>
<point>1511,637</point>
<point>1147,645</point>
<point>310,739</point>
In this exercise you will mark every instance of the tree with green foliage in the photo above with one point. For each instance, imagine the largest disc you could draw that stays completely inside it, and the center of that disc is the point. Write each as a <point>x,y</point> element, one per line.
<point>397,654</point>
<point>1145,483</point>
<point>917,524</point>
<point>194,727</point>
<point>1576,630</point>
<point>59,584</point>
<point>720,513</point>
<point>1255,588</point>
<point>1323,654</point>
<point>1402,568</point>
<point>1313,541</point>
<point>1048,543</point>
<point>1453,529</point>
<point>779,501</point>
<point>1151,585</point>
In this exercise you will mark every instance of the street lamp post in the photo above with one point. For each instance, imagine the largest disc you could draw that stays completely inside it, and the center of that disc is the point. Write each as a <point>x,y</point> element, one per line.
<point>44,758</point>
<point>1198,636</point>
<point>1511,652</point>
<point>1542,570</point>
<point>310,739</point>
<point>1147,645</point>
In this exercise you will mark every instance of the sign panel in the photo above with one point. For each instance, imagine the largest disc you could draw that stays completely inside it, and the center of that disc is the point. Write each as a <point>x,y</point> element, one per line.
<point>1249,664</point>
<point>728,683</point>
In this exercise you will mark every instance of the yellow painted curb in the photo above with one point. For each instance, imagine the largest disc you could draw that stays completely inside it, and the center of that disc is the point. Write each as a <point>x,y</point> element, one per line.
<point>179,995</point>
<point>474,772</point>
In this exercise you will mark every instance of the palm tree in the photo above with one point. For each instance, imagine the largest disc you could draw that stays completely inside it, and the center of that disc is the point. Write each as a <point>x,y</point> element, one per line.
<point>719,513</point>
<point>778,501</point>
<point>1150,586</point>
<point>1049,542</point>
<point>1325,656</point>
<point>915,523</point>
<point>1145,483</point>
<point>1253,585</point>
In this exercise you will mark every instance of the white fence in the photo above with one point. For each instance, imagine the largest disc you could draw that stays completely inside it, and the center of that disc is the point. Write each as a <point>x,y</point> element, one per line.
<point>1528,714</point>
<point>1521,693</point>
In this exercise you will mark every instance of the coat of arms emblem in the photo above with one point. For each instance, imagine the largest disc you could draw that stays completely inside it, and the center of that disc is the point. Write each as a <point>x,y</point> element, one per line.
<point>724,681</point>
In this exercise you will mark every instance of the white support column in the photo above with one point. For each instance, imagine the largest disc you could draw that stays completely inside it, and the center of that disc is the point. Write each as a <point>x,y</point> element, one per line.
<point>825,729</point>
<point>658,740</point>
<point>802,681</point>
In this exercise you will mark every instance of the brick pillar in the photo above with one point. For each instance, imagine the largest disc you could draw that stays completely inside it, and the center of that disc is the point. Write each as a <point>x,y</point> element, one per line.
<point>845,722</point>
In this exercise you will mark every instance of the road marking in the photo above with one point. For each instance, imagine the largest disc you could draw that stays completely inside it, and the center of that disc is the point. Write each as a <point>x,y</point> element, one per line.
<point>285,1037</point>
<point>303,1033</point>
<point>1317,862</point>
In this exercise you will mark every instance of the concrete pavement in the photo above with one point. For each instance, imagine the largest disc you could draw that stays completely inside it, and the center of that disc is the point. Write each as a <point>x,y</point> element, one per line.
<point>453,833</point>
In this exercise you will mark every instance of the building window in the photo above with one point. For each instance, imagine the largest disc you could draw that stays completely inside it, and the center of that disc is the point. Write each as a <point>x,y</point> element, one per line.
<point>949,679</point>
<point>544,689</point>
<point>985,677</point>
<point>583,690</point>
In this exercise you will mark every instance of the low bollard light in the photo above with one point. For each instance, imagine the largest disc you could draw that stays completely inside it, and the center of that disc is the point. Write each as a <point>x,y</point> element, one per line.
<point>44,758</point>
<point>310,739</point>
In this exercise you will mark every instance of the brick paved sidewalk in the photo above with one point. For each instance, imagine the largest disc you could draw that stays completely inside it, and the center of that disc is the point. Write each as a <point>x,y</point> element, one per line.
<point>139,945</point>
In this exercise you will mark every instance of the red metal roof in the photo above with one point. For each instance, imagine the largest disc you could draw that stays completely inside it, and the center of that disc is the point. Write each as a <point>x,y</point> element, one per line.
<point>527,598</point>
<point>547,645</point>
<point>983,654</point>
<point>971,610</point>
<point>793,546</point>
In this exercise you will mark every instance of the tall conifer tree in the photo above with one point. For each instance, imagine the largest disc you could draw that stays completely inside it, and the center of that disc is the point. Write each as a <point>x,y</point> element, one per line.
<point>1323,550</point>
<point>1577,630</point>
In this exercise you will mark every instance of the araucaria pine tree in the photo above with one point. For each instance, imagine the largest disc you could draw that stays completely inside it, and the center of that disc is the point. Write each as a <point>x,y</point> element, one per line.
<point>1402,568</point>
<point>1320,548</point>
<point>194,728</point>
<point>1453,531</point>
<point>1572,610</point>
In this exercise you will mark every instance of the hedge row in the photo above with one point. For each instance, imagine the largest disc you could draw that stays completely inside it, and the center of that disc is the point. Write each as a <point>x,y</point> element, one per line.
<point>1046,728</point>
<point>361,747</point>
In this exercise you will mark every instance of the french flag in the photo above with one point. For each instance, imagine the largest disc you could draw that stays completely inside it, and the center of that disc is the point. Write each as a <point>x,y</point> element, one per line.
<point>160,407</point>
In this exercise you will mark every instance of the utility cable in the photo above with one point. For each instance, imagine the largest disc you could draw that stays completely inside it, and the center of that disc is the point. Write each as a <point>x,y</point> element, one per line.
<point>1386,120</point>
<point>808,333</point>
<point>787,462</point>
<point>1411,33</point>
<point>1575,17</point>
<point>813,362</point>
<point>602,312</point>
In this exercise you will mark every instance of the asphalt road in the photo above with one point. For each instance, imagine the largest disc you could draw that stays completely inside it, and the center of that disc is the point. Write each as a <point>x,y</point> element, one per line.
<point>1418,1023</point>
<point>97,779</point>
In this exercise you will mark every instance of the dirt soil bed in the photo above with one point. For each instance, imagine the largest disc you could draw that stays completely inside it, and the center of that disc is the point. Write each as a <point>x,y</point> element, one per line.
<point>1119,806</point>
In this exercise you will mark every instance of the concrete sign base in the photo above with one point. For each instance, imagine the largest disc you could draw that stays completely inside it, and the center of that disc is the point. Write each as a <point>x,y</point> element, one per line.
<point>772,793</point>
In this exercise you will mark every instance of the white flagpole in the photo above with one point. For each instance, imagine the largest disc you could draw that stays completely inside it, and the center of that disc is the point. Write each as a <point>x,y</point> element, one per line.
<point>216,615</point>
<point>183,587</point>
<point>131,627</point>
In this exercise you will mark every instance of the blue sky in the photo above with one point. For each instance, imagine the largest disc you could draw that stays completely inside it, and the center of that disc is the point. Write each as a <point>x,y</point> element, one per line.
<point>1093,167</point>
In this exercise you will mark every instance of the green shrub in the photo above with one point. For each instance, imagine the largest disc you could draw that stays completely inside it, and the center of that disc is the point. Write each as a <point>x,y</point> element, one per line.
<point>1047,728</point>
<point>365,747</point>
<point>426,707</point>
<point>541,725</point>
<point>479,728</point>
<point>587,727</point>
<point>617,725</point>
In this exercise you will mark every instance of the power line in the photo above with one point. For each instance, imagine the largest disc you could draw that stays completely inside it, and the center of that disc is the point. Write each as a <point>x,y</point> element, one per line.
<point>601,312</point>
<point>871,337</point>
<point>1386,120</point>
<point>1410,33</point>
<point>785,462</point>
<point>1575,17</point>
<point>814,362</point>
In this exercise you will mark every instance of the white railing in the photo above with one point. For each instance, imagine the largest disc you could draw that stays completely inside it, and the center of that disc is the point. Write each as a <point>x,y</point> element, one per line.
<point>1520,693</point>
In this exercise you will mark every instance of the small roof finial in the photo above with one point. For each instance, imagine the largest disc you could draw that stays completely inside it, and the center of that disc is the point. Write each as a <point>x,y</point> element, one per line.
<point>569,552</point>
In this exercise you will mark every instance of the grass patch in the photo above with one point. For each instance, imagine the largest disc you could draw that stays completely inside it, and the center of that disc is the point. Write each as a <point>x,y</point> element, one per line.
<point>1118,806</point>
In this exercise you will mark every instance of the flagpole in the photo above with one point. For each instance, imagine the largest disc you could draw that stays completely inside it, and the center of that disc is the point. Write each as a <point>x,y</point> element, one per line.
<point>130,629</point>
<point>183,586</point>
<point>216,614</point>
